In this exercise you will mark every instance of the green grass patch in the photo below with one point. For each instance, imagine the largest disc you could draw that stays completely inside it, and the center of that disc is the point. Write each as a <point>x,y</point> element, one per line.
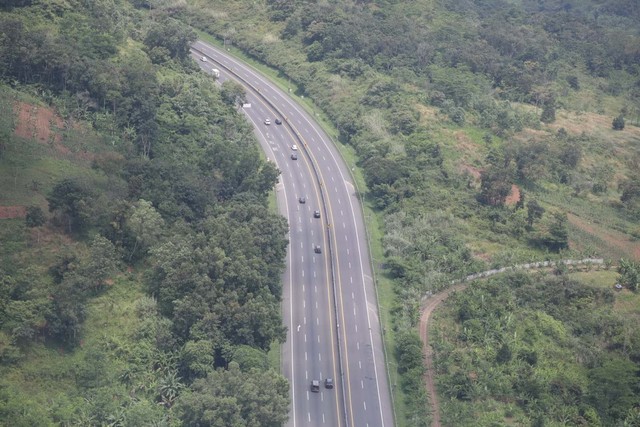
<point>28,171</point>
<point>273,357</point>
<point>48,373</point>
<point>112,315</point>
<point>600,279</point>
<point>627,303</point>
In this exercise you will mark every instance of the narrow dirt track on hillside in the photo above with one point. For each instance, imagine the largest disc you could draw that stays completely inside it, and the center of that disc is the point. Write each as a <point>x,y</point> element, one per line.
<point>432,303</point>
<point>427,309</point>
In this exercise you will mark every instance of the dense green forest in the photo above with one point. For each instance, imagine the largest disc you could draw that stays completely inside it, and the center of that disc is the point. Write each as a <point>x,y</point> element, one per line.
<point>143,285</point>
<point>488,133</point>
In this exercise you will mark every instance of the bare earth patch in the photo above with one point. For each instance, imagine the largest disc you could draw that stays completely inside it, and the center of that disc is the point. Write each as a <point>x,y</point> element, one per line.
<point>37,122</point>
<point>514,196</point>
<point>464,143</point>
<point>45,126</point>
<point>427,114</point>
<point>8,212</point>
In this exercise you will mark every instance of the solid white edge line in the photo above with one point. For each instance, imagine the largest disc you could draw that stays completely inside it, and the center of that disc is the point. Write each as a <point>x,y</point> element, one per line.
<point>304,115</point>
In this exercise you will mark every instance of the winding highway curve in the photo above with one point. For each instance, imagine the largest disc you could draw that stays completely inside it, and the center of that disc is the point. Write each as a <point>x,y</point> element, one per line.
<point>329,298</point>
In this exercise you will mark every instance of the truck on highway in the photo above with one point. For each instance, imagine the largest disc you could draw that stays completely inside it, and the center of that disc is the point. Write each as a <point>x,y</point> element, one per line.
<point>215,73</point>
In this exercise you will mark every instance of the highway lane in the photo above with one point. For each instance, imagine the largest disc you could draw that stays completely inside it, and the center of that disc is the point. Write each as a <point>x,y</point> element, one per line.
<point>310,351</point>
<point>366,390</point>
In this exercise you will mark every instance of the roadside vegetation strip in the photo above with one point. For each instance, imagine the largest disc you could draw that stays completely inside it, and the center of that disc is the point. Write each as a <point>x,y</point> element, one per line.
<point>431,302</point>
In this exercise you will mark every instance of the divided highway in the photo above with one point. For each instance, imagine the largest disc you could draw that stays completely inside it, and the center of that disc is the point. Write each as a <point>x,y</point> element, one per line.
<point>329,299</point>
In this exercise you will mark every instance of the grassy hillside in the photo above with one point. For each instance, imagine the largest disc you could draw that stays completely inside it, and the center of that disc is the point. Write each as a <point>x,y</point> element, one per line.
<point>539,350</point>
<point>488,133</point>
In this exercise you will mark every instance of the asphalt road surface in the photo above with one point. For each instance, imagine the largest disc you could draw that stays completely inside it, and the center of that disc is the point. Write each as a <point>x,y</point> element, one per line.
<point>329,300</point>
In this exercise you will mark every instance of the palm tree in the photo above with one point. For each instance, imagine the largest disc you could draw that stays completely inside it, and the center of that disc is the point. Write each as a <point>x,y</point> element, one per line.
<point>169,388</point>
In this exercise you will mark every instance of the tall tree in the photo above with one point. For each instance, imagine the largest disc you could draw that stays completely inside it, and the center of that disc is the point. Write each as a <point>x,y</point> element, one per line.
<point>171,35</point>
<point>146,224</point>
<point>234,398</point>
<point>496,182</point>
<point>72,201</point>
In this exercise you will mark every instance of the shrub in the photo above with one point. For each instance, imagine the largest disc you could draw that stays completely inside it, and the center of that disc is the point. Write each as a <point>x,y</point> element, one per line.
<point>618,123</point>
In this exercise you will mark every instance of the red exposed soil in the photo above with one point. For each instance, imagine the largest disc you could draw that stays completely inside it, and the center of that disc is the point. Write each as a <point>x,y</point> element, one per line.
<point>513,197</point>
<point>45,126</point>
<point>37,122</point>
<point>472,171</point>
<point>8,212</point>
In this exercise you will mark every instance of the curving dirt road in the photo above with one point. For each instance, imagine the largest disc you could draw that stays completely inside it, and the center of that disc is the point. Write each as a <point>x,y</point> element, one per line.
<point>427,309</point>
<point>432,303</point>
